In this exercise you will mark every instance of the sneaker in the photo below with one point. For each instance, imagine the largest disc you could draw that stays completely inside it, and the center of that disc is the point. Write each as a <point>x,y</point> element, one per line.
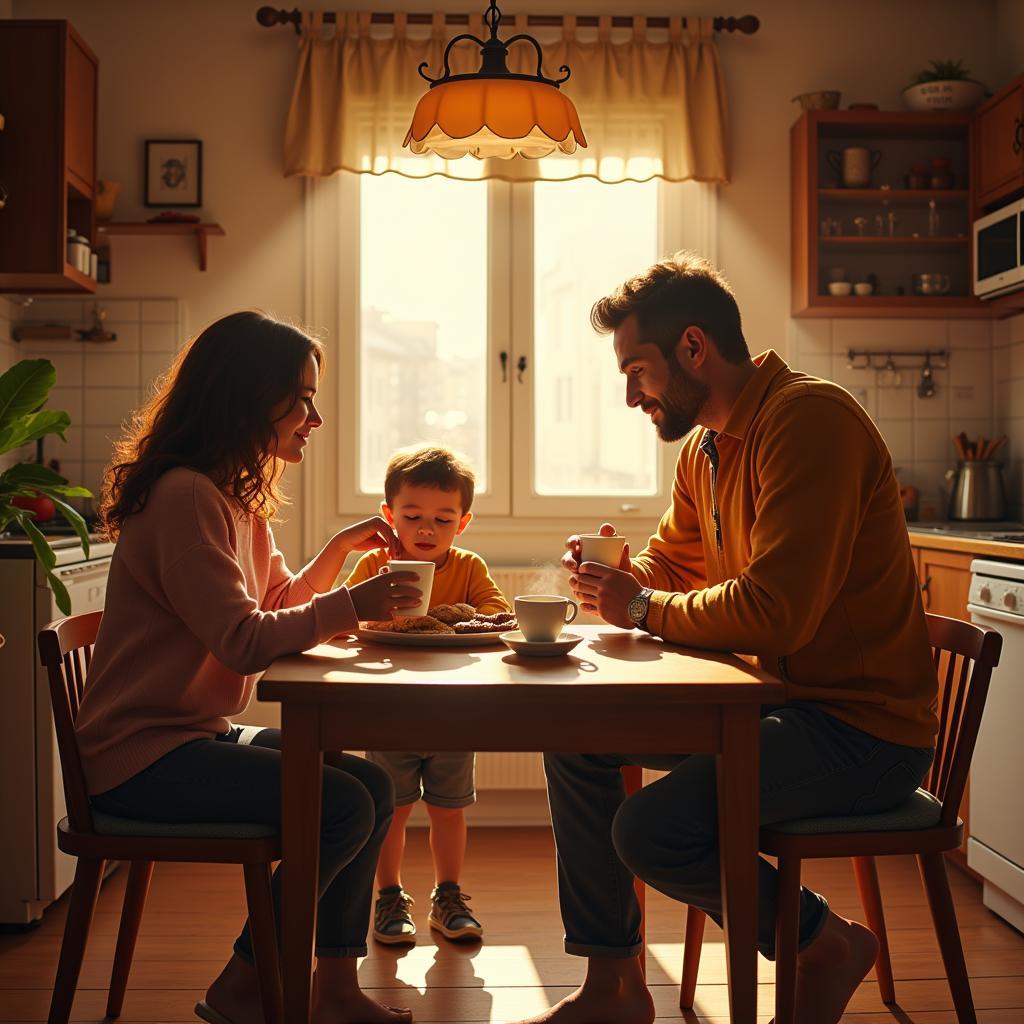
<point>392,917</point>
<point>450,915</point>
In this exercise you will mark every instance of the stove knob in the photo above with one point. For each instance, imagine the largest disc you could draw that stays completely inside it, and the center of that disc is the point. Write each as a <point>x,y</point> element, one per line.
<point>1010,600</point>
<point>985,594</point>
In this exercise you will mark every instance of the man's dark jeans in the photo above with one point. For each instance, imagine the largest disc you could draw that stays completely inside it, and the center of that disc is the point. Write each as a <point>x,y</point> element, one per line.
<point>812,765</point>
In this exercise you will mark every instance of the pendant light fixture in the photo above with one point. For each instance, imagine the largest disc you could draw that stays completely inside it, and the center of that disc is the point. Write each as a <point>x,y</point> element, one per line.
<point>494,112</point>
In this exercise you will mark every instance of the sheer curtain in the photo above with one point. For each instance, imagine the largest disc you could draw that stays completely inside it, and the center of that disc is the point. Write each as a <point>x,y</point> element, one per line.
<point>652,104</point>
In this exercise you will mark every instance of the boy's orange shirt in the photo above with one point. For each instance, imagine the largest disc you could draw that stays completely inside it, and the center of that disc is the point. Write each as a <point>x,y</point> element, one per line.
<point>463,578</point>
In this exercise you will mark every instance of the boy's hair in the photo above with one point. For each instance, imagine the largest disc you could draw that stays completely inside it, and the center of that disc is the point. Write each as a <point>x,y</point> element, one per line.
<point>429,466</point>
<point>678,291</point>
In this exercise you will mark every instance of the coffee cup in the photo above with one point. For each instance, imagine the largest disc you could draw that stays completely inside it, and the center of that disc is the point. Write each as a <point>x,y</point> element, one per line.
<point>424,581</point>
<point>542,616</point>
<point>595,547</point>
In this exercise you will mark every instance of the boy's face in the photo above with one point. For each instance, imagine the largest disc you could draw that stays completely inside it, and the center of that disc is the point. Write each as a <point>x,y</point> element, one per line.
<point>427,520</point>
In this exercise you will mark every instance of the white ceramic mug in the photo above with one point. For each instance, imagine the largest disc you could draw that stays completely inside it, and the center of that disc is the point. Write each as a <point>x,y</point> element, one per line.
<point>542,616</point>
<point>595,547</point>
<point>424,582</point>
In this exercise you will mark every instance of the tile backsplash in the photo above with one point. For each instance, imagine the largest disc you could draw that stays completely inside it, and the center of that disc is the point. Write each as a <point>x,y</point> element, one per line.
<point>98,383</point>
<point>1008,375</point>
<point>918,430</point>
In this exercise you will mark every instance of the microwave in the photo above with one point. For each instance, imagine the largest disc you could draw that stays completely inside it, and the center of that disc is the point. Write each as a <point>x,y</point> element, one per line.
<point>999,251</point>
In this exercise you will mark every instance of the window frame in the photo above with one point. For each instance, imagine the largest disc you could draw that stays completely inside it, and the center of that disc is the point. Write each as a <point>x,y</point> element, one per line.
<point>330,478</point>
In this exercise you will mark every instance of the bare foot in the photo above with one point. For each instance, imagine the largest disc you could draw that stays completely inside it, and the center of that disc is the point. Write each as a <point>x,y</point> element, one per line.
<point>235,993</point>
<point>630,1005</point>
<point>357,1008</point>
<point>830,969</point>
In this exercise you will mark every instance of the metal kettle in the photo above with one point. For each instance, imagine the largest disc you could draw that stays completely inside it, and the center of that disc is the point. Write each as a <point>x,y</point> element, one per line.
<point>978,491</point>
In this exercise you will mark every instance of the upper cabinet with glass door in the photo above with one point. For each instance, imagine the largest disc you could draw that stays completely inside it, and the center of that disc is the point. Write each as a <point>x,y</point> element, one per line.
<point>880,198</point>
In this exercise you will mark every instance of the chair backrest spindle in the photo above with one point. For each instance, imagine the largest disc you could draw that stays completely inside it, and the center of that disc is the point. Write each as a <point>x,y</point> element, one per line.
<point>65,649</point>
<point>969,653</point>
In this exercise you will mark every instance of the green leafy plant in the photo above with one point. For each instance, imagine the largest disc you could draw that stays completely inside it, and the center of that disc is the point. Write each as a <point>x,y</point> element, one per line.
<point>23,392</point>
<point>943,71</point>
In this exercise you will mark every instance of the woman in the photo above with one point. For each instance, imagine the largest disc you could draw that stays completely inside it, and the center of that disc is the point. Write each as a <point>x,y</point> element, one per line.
<point>199,601</point>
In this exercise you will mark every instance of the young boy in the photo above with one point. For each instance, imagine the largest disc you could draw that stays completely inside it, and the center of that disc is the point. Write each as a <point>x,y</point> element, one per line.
<point>428,493</point>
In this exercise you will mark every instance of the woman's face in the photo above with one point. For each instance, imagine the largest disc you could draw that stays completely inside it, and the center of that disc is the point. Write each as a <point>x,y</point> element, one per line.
<point>293,420</point>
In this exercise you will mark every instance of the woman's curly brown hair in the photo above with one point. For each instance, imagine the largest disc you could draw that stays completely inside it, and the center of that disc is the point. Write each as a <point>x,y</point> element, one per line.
<point>213,412</point>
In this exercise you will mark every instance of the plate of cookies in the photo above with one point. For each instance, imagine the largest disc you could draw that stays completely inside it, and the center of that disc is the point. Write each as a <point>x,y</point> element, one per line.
<point>444,625</point>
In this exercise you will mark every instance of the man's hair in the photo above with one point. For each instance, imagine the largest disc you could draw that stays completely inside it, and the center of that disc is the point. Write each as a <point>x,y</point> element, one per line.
<point>429,466</point>
<point>677,292</point>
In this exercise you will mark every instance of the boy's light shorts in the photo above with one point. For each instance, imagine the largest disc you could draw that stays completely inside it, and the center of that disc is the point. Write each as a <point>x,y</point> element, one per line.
<point>444,780</point>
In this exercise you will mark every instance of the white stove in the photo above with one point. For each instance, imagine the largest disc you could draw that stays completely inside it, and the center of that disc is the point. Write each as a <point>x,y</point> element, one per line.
<point>995,848</point>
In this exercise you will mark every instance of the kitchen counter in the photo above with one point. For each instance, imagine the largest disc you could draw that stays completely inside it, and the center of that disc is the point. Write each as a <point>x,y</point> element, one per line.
<point>969,539</point>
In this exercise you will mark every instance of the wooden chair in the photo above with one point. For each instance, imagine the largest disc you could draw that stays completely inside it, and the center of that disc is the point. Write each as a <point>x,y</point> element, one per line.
<point>65,647</point>
<point>926,825</point>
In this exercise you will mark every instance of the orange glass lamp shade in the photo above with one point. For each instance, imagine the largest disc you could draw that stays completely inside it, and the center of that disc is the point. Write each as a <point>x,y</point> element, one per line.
<point>494,113</point>
<point>492,117</point>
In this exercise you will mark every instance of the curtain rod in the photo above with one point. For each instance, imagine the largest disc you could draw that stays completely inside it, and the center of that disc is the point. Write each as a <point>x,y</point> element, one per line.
<point>268,17</point>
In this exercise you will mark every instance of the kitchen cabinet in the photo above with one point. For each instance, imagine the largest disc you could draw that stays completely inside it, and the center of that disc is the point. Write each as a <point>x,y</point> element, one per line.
<point>998,146</point>
<point>883,228</point>
<point>48,81</point>
<point>945,584</point>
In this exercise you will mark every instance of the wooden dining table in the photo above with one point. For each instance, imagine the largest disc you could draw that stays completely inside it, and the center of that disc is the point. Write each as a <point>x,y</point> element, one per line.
<point>617,691</point>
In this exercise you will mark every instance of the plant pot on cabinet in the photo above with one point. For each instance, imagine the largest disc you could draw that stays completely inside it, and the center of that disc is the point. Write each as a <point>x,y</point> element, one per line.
<point>946,94</point>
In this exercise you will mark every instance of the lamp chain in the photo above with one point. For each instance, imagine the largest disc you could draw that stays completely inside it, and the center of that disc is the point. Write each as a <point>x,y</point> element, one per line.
<point>493,19</point>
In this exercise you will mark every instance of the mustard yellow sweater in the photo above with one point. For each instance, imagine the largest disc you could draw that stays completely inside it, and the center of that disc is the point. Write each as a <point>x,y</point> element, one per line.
<point>809,567</point>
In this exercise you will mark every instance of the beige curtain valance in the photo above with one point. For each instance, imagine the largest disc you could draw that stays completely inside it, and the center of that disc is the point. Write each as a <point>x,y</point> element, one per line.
<point>650,107</point>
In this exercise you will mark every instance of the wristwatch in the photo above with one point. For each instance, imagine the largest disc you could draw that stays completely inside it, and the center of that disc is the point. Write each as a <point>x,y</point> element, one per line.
<point>638,607</point>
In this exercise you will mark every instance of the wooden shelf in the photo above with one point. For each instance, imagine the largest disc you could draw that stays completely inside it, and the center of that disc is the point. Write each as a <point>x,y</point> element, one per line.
<point>41,283</point>
<point>895,241</point>
<point>200,231</point>
<point>896,196</point>
<point>925,306</point>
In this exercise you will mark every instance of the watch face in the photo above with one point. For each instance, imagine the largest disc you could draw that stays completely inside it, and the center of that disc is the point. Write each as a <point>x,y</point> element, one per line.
<point>637,607</point>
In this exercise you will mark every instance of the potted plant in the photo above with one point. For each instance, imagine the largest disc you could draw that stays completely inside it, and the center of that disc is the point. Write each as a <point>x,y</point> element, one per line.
<point>945,85</point>
<point>28,490</point>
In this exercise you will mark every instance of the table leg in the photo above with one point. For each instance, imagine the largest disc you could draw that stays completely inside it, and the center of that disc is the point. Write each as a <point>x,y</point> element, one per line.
<point>738,773</point>
<point>301,782</point>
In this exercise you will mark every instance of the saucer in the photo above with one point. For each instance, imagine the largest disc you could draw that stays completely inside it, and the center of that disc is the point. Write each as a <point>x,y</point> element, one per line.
<point>515,641</point>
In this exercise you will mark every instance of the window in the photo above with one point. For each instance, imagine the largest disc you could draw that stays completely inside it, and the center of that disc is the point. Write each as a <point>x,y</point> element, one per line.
<point>463,313</point>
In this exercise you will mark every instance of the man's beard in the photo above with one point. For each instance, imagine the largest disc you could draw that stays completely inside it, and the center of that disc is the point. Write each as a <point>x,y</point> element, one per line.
<point>682,401</point>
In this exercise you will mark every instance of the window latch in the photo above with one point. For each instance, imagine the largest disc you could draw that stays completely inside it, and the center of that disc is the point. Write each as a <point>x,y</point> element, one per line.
<point>503,358</point>
<point>520,369</point>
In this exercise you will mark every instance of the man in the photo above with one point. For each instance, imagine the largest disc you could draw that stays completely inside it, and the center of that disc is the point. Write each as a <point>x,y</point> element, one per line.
<point>785,540</point>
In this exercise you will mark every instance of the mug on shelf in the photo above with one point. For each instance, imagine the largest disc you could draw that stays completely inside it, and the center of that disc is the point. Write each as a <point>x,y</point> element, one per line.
<point>854,165</point>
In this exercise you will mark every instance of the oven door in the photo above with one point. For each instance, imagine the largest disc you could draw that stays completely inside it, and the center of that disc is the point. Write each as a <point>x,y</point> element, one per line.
<point>996,845</point>
<point>998,246</point>
<point>86,583</point>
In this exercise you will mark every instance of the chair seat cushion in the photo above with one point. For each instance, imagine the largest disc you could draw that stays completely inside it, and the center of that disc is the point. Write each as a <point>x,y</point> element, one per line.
<point>109,825</point>
<point>922,810</point>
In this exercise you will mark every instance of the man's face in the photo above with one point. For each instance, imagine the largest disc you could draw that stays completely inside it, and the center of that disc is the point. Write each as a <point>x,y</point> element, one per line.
<point>661,387</point>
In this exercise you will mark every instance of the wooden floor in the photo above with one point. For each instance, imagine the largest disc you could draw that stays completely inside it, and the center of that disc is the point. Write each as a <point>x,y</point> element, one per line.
<point>194,913</point>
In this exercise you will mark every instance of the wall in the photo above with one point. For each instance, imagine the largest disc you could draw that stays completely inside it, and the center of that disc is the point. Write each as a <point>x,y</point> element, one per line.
<point>196,69</point>
<point>100,383</point>
<point>1009,39</point>
<point>1008,371</point>
<point>917,430</point>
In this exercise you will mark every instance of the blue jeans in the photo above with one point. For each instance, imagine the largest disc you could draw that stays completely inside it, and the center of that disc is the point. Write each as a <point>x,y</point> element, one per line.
<point>812,765</point>
<point>224,780</point>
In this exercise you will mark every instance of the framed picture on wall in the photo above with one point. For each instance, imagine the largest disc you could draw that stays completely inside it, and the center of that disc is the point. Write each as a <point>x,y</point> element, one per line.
<point>174,172</point>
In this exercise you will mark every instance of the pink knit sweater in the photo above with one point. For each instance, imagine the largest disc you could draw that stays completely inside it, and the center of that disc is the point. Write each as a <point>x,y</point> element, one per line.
<point>199,603</point>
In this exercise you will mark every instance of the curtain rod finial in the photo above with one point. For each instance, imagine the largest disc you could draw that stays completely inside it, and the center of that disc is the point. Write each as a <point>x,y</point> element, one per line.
<point>268,17</point>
